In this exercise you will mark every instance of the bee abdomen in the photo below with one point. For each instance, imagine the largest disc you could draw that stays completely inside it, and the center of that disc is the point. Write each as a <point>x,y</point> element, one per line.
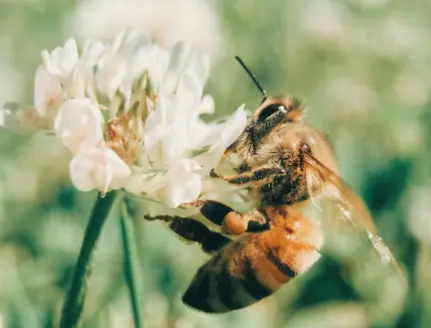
<point>236,279</point>
<point>210,289</point>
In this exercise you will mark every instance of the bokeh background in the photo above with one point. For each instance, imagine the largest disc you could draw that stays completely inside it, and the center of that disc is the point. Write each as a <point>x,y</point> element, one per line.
<point>363,68</point>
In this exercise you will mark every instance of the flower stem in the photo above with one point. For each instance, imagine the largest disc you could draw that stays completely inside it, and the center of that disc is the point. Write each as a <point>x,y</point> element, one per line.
<point>74,302</point>
<point>132,271</point>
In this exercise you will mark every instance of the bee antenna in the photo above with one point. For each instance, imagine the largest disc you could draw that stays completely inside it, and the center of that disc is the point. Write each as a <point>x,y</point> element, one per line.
<point>253,77</point>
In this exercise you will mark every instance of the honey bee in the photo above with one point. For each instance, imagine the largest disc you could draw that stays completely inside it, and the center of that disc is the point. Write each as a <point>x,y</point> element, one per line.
<point>284,162</point>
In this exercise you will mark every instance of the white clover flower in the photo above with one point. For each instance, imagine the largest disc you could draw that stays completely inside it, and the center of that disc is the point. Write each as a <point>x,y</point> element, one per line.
<point>130,114</point>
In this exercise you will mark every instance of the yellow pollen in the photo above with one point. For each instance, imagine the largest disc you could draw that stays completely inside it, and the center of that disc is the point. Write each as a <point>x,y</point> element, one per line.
<point>123,137</point>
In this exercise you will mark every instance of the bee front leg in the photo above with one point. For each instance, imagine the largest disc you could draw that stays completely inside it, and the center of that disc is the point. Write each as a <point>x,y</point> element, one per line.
<point>262,129</point>
<point>259,174</point>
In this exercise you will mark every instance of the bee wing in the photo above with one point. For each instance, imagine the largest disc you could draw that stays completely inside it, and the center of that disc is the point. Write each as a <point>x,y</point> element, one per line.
<point>345,205</point>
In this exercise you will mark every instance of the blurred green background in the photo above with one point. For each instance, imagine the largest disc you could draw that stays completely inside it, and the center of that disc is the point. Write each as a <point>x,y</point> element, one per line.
<point>363,68</point>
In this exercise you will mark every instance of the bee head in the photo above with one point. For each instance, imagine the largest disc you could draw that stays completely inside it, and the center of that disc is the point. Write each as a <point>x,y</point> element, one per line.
<point>273,112</point>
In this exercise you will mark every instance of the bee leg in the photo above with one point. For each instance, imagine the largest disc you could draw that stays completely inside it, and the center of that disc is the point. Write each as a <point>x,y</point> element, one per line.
<point>237,223</point>
<point>164,218</point>
<point>262,129</point>
<point>262,173</point>
<point>215,211</point>
<point>233,222</point>
<point>194,231</point>
<point>256,131</point>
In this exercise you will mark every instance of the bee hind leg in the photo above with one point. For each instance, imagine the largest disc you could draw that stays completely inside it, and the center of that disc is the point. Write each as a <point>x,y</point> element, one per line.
<point>194,231</point>
<point>234,222</point>
<point>215,211</point>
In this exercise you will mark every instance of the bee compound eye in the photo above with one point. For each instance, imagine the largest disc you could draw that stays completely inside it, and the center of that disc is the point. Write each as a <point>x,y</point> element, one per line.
<point>269,110</point>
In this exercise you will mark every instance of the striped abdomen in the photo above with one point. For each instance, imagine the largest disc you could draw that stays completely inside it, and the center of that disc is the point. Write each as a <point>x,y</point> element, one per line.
<point>255,266</point>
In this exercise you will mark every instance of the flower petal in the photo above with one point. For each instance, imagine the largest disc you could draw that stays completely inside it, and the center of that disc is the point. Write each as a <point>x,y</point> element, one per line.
<point>165,133</point>
<point>80,82</point>
<point>178,184</point>
<point>77,82</point>
<point>221,137</point>
<point>82,170</point>
<point>149,183</point>
<point>207,105</point>
<point>110,73</point>
<point>185,185</point>
<point>185,57</point>
<point>150,59</point>
<point>48,94</point>
<point>62,59</point>
<point>79,124</point>
<point>115,61</point>
<point>92,52</point>
<point>129,40</point>
<point>22,120</point>
<point>189,91</point>
<point>158,61</point>
<point>98,168</point>
<point>233,127</point>
<point>157,122</point>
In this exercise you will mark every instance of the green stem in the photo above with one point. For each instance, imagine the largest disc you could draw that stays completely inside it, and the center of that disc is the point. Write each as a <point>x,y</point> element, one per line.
<point>132,271</point>
<point>74,302</point>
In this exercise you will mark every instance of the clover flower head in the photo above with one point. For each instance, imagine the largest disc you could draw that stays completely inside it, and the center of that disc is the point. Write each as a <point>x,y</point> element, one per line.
<point>129,112</point>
